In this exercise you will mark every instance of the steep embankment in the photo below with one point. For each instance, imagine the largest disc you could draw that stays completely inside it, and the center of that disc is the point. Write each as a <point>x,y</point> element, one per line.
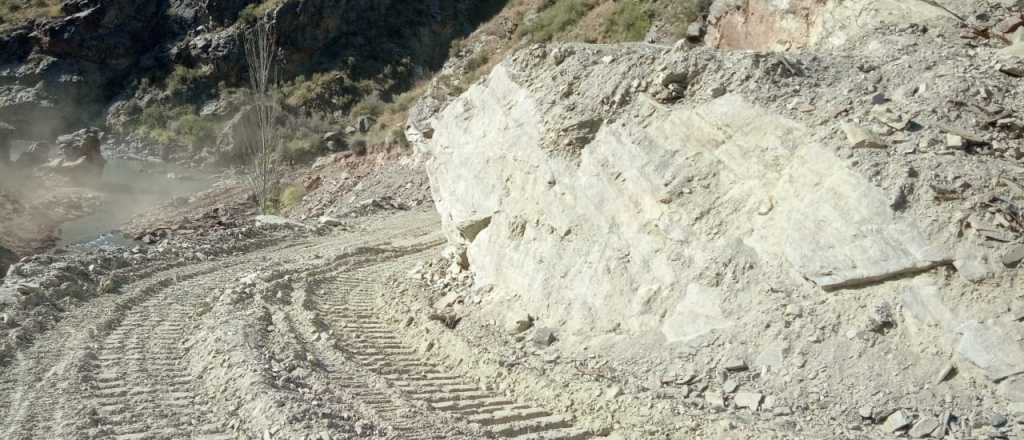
<point>762,217</point>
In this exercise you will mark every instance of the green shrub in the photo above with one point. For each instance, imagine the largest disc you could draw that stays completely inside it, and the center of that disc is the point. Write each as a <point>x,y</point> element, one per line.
<point>291,196</point>
<point>478,60</point>
<point>194,129</point>
<point>15,12</point>
<point>182,77</point>
<point>323,92</point>
<point>301,147</point>
<point>166,124</point>
<point>404,102</point>
<point>252,13</point>
<point>370,106</point>
<point>630,22</point>
<point>398,138</point>
<point>558,17</point>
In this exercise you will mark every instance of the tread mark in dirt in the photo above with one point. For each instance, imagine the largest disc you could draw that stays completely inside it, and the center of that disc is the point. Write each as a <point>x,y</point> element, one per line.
<point>373,345</point>
<point>32,408</point>
<point>142,386</point>
<point>404,426</point>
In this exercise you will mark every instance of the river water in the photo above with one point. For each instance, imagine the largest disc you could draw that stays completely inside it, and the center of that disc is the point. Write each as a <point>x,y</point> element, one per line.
<point>129,187</point>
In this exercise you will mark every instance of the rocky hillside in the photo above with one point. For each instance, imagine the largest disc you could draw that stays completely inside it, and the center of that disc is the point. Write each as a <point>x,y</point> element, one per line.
<point>171,75</point>
<point>826,229</point>
<point>167,70</point>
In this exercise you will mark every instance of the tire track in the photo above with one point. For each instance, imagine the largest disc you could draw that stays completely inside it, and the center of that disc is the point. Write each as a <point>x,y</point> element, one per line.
<point>349,309</point>
<point>143,388</point>
<point>354,388</point>
<point>51,371</point>
<point>49,382</point>
<point>115,367</point>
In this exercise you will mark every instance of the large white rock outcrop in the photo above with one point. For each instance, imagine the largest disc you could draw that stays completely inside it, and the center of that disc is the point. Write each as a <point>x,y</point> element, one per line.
<point>654,216</point>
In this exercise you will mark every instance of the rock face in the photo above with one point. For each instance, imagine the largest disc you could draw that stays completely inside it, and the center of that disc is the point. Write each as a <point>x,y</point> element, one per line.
<point>56,75</point>
<point>791,24</point>
<point>628,221</point>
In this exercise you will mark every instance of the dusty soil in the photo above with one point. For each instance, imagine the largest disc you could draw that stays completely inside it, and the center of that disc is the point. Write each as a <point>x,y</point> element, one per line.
<point>207,349</point>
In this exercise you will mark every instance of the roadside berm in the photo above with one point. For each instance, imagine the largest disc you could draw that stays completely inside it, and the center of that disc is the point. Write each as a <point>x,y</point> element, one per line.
<point>824,232</point>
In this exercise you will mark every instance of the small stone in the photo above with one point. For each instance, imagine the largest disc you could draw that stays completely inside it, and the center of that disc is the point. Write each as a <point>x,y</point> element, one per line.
<point>866,412</point>
<point>998,420</point>
<point>684,390</point>
<point>944,373</point>
<point>714,399</point>
<point>748,400</point>
<point>426,347</point>
<point>324,435</point>
<point>889,117</point>
<point>695,31</point>
<point>613,392</point>
<point>544,337</point>
<point>965,137</point>
<point>782,411</point>
<point>735,364</point>
<point>806,108</point>
<point>1014,71</point>
<point>954,142</point>
<point>861,137</point>
<point>730,386</point>
<point>519,323</point>
<point>654,382</point>
<point>718,92</point>
<point>330,221</point>
<point>686,377</point>
<point>895,422</point>
<point>880,98</point>
<point>924,427</point>
<point>1013,256</point>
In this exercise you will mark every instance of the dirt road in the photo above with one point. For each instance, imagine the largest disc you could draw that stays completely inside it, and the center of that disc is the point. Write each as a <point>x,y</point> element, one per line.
<point>283,342</point>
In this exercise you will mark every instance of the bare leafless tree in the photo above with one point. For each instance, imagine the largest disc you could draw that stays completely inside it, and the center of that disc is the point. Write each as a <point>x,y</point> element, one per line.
<point>263,170</point>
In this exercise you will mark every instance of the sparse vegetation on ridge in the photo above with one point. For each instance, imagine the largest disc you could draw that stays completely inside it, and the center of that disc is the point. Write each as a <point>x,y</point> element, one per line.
<point>13,12</point>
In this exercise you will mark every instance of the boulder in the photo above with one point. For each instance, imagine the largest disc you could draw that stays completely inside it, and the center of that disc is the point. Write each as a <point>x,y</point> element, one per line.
<point>81,155</point>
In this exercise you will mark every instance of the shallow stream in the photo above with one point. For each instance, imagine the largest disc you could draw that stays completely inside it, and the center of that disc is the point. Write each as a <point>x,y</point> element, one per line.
<point>129,187</point>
